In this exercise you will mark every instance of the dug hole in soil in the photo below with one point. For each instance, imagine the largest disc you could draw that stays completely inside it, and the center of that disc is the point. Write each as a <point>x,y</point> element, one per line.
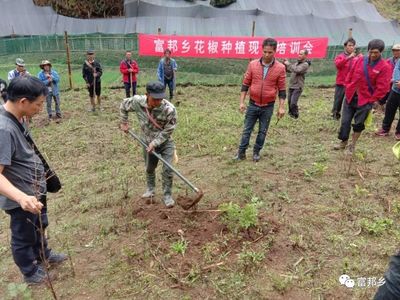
<point>198,228</point>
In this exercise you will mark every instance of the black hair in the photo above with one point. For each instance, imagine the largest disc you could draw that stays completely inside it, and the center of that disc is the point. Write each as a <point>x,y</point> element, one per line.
<point>26,87</point>
<point>167,50</point>
<point>270,42</point>
<point>3,90</point>
<point>350,40</point>
<point>376,44</point>
<point>305,51</point>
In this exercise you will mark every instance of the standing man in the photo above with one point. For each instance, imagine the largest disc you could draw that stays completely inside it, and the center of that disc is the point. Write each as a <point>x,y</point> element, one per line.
<point>343,63</point>
<point>19,70</point>
<point>51,79</point>
<point>296,83</point>
<point>157,118</point>
<point>129,69</point>
<point>393,104</point>
<point>22,181</point>
<point>367,82</point>
<point>265,77</point>
<point>392,63</point>
<point>91,73</point>
<point>166,72</point>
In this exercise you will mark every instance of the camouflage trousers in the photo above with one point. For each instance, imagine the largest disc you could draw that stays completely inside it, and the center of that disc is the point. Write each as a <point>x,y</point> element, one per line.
<point>166,150</point>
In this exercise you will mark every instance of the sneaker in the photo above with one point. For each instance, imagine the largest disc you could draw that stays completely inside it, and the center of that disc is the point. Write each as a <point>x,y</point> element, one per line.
<point>336,116</point>
<point>38,277</point>
<point>58,116</point>
<point>91,109</point>
<point>56,258</point>
<point>256,157</point>
<point>148,194</point>
<point>168,201</point>
<point>397,136</point>
<point>239,156</point>
<point>382,132</point>
<point>342,145</point>
<point>350,148</point>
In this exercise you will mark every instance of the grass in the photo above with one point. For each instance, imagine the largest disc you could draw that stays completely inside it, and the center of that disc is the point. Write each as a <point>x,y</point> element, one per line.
<point>337,222</point>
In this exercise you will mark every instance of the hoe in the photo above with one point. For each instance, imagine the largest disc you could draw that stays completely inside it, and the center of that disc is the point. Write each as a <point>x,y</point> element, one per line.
<point>183,201</point>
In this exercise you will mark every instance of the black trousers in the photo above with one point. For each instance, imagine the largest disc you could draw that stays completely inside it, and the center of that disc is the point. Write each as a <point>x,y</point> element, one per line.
<point>128,87</point>
<point>390,290</point>
<point>338,101</point>
<point>353,111</point>
<point>26,239</point>
<point>293,99</point>
<point>392,105</point>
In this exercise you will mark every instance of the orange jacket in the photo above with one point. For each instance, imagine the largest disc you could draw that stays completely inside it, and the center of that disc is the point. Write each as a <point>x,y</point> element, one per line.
<point>264,91</point>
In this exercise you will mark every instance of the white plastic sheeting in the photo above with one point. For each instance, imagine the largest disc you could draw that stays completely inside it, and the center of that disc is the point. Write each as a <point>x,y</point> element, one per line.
<point>285,18</point>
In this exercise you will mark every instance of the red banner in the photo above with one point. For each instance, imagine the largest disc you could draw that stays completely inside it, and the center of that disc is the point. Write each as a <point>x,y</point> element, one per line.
<point>227,47</point>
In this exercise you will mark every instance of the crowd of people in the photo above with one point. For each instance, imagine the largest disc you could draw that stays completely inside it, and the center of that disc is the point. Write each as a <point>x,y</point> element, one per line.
<point>362,81</point>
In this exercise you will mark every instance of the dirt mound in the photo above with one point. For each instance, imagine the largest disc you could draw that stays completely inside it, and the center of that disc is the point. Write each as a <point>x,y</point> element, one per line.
<point>208,242</point>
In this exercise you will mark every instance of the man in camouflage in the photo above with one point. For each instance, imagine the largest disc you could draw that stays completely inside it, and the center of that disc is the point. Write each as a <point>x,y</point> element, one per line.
<point>157,118</point>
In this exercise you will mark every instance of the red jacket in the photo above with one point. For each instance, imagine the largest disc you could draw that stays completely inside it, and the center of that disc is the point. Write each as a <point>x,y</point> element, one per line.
<point>356,81</point>
<point>264,91</point>
<point>123,68</point>
<point>343,65</point>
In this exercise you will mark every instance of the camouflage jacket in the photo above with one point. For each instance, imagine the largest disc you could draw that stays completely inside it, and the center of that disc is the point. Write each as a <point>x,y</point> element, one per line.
<point>165,116</point>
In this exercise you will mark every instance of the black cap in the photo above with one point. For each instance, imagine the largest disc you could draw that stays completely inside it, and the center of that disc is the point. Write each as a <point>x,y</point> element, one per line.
<point>155,89</point>
<point>90,52</point>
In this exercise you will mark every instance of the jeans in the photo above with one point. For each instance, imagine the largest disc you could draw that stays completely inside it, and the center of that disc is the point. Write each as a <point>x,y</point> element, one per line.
<point>170,84</point>
<point>166,150</point>
<point>128,87</point>
<point>293,98</point>
<point>392,105</point>
<point>26,239</point>
<point>350,111</point>
<point>338,101</point>
<point>391,289</point>
<point>49,100</point>
<point>261,113</point>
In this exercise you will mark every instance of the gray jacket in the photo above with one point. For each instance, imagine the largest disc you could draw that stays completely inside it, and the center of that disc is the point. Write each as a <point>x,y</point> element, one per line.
<point>298,70</point>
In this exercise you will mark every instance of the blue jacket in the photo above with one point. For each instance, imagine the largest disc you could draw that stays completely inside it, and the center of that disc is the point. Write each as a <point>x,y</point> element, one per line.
<point>160,69</point>
<point>396,77</point>
<point>56,79</point>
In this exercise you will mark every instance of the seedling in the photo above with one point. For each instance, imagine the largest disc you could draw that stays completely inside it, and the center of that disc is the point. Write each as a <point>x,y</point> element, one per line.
<point>179,247</point>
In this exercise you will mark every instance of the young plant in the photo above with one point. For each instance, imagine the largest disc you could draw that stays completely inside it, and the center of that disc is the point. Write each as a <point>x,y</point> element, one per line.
<point>249,258</point>
<point>179,247</point>
<point>19,291</point>
<point>237,218</point>
<point>376,227</point>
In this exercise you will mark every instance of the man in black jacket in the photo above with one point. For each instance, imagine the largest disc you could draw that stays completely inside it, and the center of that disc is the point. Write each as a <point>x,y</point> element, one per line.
<point>91,73</point>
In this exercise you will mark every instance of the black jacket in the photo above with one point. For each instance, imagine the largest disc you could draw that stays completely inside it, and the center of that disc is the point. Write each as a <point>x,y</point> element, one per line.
<point>87,72</point>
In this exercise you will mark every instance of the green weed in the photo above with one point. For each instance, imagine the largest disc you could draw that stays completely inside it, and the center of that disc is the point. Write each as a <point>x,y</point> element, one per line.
<point>237,218</point>
<point>376,227</point>
<point>19,291</point>
<point>179,247</point>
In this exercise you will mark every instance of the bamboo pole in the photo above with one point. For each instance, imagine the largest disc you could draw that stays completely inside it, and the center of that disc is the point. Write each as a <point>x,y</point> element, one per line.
<point>68,59</point>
